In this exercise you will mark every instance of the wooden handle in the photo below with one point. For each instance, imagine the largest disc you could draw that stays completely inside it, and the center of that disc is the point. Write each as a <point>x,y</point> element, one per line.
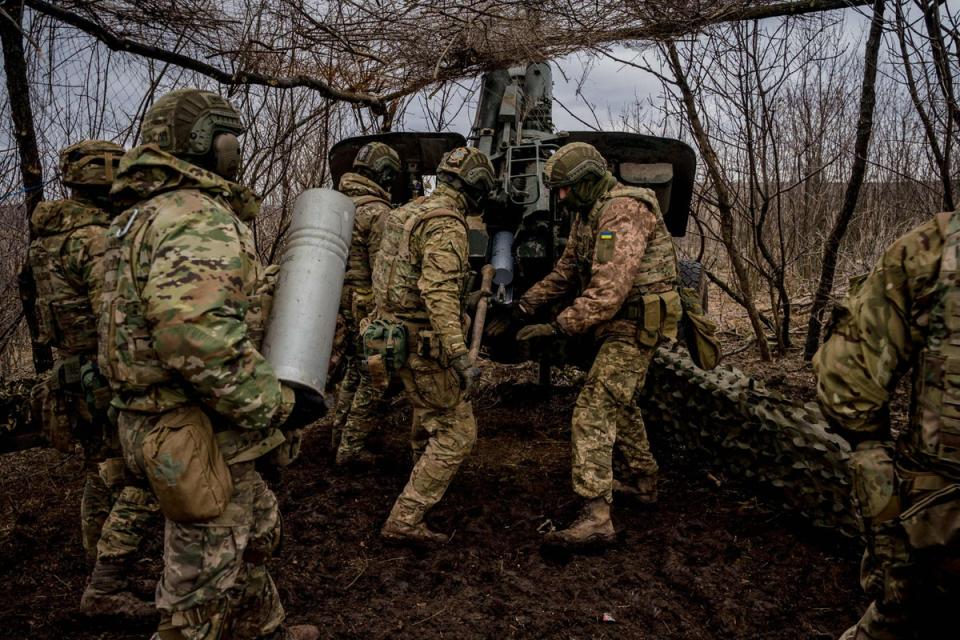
<point>480,317</point>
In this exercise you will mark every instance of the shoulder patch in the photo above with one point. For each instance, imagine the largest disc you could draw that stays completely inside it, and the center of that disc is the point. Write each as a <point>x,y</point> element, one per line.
<point>606,243</point>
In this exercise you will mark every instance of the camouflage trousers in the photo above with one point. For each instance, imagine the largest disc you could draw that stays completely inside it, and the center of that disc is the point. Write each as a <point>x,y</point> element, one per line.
<point>911,569</point>
<point>368,404</point>
<point>345,395</point>
<point>442,435</point>
<point>606,415</point>
<point>215,584</point>
<point>95,505</point>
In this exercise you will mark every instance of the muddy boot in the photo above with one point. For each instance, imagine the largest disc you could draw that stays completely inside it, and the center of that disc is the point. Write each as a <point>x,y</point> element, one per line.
<point>108,594</point>
<point>643,489</point>
<point>299,632</point>
<point>362,459</point>
<point>397,532</point>
<point>592,528</point>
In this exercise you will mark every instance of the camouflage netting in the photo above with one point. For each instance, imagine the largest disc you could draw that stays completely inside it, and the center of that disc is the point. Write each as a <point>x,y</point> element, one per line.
<point>753,433</point>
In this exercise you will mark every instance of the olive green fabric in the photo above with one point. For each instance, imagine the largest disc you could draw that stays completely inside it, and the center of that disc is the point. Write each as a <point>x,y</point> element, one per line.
<point>184,122</point>
<point>90,164</point>
<point>572,163</point>
<point>471,166</point>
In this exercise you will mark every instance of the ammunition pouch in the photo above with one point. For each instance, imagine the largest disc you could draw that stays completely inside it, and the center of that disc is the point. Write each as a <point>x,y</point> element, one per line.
<point>384,349</point>
<point>185,468</point>
<point>933,517</point>
<point>96,389</point>
<point>657,316</point>
<point>699,331</point>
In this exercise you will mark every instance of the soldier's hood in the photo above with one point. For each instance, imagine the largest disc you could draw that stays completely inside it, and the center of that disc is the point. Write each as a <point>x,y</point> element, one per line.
<point>59,216</point>
<point>147,171</point>
<point>355,185</point>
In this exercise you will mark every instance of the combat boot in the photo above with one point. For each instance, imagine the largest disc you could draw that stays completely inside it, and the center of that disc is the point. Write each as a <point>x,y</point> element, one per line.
<point>643,489</point>
<point>397,532</point>
<point>592,527</point>
<point>301,632</point>
<point>362,459</point>
<point>108,594</point>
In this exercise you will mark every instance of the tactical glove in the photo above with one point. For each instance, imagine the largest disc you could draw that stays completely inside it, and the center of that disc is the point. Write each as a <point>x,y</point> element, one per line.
<point>533,331</point>
<point>468,372</point>
<point>499,324</point>
<point>308,408</point>
<point>473,299</point>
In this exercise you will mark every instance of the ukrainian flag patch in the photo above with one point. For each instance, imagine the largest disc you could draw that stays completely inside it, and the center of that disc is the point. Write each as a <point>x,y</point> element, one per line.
<point>606,241</point>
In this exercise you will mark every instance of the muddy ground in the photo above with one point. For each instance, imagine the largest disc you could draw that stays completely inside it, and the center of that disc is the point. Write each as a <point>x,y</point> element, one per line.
<point>710,561</point>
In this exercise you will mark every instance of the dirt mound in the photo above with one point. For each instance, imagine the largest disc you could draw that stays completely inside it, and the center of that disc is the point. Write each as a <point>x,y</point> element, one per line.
<point>709,561</point>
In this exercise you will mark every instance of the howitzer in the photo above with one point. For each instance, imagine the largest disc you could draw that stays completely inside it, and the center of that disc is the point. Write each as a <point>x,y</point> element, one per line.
<point>522,229</point>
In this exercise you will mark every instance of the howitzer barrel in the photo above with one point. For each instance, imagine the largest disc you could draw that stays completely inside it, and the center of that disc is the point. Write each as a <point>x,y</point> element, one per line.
<point>303,319</point>
<point>502,258</point>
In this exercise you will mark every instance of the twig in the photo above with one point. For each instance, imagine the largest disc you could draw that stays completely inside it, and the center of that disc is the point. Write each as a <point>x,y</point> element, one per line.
<point>427,619</point>
<point>366,563</point>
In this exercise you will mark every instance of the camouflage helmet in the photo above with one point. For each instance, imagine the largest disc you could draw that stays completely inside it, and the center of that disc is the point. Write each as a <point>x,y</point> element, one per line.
<point>376,157</point>
<point>471,166</point>
<point>571,163</point>
<point>185,121</point>
<point>90,163</point>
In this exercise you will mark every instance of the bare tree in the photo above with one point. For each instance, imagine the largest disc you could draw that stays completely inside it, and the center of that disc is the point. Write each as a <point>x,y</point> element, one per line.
<point>862,148</point>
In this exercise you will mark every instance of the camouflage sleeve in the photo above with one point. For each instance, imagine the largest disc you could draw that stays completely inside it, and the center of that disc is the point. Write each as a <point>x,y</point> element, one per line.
<point>873,339</point>
<point>442,246</point>
<point>561,281</point>
<point>623,228</point>
<point>195,303</point>
<point>83,260</point>
<point>375,233</point>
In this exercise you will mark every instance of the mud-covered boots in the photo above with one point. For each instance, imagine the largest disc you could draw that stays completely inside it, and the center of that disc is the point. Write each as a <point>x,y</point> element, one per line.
<point>295,632</point>
<point>108,594</point>
<point>592,528</point>
<point>643,489</point>
<point>396,531</point>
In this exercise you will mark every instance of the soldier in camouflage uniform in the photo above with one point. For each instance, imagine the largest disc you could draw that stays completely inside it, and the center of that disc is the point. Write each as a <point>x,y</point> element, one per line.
<point>419,281</point>
<point>368,186</point>
<point>620,263</point>
<point>67,263</point>
<point>177,338</point>
<point>906,489</point>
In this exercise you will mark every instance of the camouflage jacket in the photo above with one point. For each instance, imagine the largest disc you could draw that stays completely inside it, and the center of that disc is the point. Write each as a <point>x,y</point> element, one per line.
<point>372,203</point>
<point>619,251</point>
<point>882,330</point>
<point>422,269</point>
<point>67,261</point>
<point>182,283</point>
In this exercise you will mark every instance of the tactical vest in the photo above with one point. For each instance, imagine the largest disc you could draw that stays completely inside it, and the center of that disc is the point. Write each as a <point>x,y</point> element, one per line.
<point>371,201</point>
<point>658,267</point>
<point>397,269</point>
<point>935,429</point>
<point>126,353</point>
<point>68,320</point>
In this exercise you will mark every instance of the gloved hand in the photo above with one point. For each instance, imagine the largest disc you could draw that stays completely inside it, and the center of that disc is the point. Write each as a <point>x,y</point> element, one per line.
<point>308,408</point>
<point>469,374</point>
<point>500,323</point>
<point>473,299</point>
<point>532,331</point>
